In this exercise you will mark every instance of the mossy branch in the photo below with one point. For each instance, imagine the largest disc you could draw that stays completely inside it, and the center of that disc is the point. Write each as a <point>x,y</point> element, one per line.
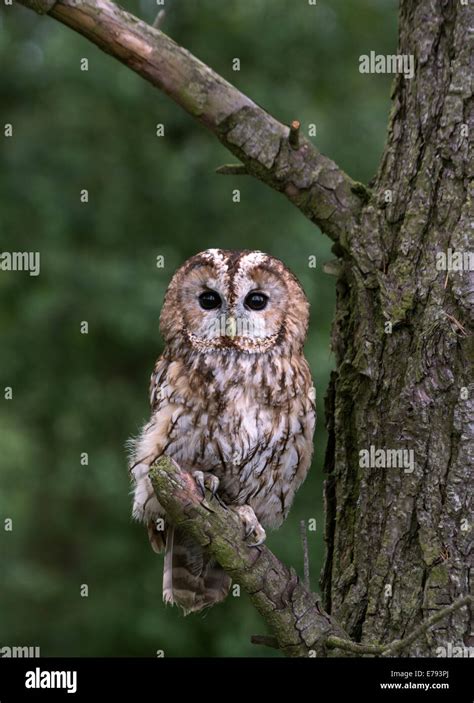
<point>271,151</point>
<point>291,612</point>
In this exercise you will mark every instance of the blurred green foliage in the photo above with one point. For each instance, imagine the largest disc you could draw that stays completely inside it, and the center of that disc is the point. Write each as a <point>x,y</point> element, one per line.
<point>148,196</point>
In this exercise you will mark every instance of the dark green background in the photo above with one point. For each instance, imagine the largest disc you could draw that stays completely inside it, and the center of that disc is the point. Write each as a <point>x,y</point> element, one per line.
<point>148,196</point>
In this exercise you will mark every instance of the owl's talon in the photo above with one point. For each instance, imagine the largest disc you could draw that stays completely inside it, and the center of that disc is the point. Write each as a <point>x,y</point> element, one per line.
<point>260,536</point>
<point>248,529</point>
<point>261,541</point>
<point>251,525</point>
<point>220,501</point>
<point>213,484</point>
<point>198,476</point>
<point>206,480</point>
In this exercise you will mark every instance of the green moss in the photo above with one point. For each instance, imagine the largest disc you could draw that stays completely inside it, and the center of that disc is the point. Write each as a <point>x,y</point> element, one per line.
<point>438,576</point>
<point>193,98</point>
<point>398,291</point>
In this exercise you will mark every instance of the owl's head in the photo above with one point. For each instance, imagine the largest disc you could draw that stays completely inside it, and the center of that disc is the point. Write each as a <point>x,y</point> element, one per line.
<point>245,301</point>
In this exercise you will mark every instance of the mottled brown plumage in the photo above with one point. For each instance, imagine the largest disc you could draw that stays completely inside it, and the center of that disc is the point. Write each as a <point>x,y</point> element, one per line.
<point>232,397</point>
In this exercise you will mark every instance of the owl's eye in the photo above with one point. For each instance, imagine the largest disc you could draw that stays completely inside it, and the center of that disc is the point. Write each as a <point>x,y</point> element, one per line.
<point>210,300</point>
<point>256,301</point>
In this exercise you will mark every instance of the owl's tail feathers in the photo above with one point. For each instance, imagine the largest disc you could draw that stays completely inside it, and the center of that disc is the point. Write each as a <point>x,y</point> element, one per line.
<point>191,579</point>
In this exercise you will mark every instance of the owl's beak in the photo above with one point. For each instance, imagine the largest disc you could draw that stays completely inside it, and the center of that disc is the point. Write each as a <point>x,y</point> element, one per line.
<point>231,326</point>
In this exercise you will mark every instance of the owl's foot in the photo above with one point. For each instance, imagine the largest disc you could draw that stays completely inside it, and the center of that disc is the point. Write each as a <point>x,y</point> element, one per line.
<point>206,480</point>
<point>252,527</point>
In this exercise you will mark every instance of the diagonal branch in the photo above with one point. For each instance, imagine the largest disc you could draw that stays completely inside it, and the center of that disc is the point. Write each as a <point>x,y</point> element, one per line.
<point>269,149</point>
<point>292,613</point>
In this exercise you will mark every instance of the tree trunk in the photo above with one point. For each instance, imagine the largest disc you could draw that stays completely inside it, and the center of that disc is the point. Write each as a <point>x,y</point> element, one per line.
<point>397,541</point>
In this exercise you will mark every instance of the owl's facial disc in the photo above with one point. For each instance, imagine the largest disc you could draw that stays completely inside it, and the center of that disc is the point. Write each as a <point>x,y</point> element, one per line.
<point>229,300</point>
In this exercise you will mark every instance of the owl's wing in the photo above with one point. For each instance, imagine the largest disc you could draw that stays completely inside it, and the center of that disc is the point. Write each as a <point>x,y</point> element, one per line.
<point>157,382</point>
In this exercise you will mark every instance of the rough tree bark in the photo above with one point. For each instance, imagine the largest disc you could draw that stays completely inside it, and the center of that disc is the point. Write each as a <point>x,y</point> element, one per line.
<point>408,531</point>
<point>397,541</point>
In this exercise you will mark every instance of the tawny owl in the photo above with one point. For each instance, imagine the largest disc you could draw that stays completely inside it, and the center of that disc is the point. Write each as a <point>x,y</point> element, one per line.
<point>231,401</point>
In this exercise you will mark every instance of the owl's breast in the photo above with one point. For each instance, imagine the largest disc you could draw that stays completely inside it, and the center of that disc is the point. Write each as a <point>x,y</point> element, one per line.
<point>250,422</point>
<point>260,452</point>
